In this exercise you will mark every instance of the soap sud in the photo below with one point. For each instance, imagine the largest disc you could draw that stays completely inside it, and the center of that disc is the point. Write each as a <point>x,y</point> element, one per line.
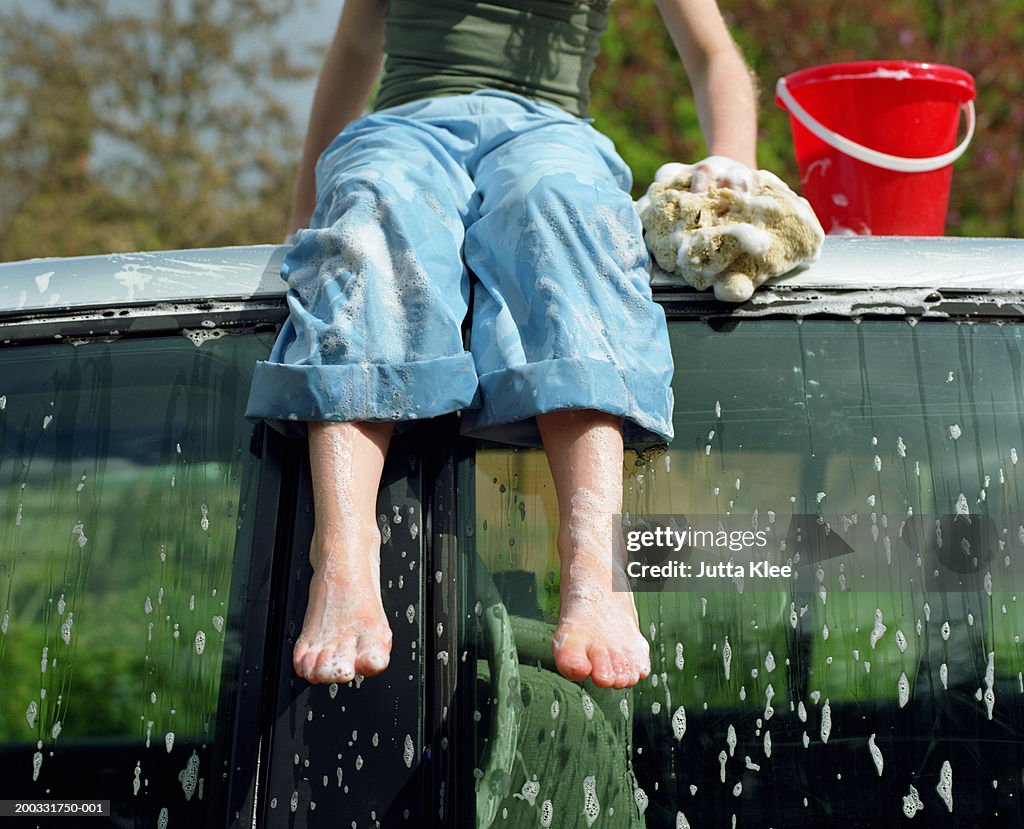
<point>198,336</point>
<point>912,803</point>
<point>641,800</point>
<point>878,630</point>
<point>189,776</point>
<point>945,784</point>
<point>732,234</point>
<point>876,754</point>
<point>903,689</point>
<point>591,805</point>
<point>678,723</point>
<point>826,721</point>
<point>529,792</point>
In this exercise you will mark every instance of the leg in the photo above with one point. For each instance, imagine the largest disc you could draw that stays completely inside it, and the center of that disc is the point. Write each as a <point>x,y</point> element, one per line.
<point>345,631</point>
<point>598,633</point>
<point>563,316</point>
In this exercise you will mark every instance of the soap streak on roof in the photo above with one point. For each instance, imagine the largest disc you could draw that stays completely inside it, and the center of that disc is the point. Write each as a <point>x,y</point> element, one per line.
<point>142,278</point>
<point>242,273</point>
<point>937,263</point>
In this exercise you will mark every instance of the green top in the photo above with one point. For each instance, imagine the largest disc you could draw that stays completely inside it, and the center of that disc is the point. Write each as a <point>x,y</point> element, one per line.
<point>541,49</point>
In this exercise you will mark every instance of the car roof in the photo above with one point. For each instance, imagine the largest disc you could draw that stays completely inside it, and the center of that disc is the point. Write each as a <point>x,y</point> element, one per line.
<point>861,263</point>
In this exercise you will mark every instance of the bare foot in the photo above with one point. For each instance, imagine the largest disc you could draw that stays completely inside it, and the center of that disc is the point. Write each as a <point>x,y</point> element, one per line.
<point>598,633</point>
<point>345,631</point>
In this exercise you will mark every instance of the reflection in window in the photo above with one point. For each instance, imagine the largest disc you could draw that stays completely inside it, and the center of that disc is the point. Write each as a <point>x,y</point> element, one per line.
<point>865,693</point>
<point>121,474</point>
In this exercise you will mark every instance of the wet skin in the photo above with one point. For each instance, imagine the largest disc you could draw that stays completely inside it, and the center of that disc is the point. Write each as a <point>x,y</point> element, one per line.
<point>345,630</point>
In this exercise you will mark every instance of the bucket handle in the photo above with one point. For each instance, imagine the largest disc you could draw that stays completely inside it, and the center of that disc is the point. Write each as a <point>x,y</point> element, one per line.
<point>896,163</point>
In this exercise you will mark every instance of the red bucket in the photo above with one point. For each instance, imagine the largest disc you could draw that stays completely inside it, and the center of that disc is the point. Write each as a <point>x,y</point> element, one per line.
<point>875,142</point>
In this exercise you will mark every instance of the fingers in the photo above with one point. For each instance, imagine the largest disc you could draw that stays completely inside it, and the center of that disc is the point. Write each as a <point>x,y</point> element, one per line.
<point>717,169</point>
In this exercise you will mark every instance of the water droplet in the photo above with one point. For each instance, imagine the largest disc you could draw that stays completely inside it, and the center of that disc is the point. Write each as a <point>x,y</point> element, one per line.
<point>826,720</point>
<point>945,785</point>
<point>641,800</point>
<point>679,723</point>
<point>878,630</point>
<point>912,803</point>
<point>190,775</point>
<point>591,805</point>
<point>876,754</point>
<point>529,792</point>
<point>65,628</point>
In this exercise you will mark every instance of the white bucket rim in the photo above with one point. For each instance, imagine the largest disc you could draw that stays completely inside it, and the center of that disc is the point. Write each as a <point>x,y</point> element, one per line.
<point>886,161</point>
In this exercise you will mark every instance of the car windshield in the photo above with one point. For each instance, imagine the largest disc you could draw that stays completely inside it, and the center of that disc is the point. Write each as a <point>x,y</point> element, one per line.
<point>124,469</point>
<point>868,688</point>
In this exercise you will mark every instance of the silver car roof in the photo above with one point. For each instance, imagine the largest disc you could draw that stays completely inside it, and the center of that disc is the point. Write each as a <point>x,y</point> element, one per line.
<point>861,263</point>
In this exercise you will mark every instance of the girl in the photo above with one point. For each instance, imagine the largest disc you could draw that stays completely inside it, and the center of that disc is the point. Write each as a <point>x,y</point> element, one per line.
<point>478,164</point>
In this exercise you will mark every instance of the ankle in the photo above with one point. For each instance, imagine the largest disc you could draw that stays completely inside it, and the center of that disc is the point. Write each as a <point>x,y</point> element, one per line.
<point>356,543</point>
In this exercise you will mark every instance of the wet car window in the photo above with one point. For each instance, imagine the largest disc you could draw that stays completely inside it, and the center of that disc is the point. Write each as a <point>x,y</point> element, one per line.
<point>878,685</point>
<point>124,473</point>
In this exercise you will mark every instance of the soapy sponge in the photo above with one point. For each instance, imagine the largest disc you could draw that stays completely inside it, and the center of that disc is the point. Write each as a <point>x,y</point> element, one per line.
<point>730,235</point>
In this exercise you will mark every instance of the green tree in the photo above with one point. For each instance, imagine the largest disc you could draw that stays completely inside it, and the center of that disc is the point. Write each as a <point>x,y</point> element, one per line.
<point>128,126</point>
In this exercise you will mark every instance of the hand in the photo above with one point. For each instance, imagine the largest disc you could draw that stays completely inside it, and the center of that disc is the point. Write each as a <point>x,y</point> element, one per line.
<point>717,169</point>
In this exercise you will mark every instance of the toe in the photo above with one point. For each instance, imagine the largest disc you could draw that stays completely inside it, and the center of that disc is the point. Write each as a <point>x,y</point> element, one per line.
<point>372,662</point>
<point>603,669</point>
<point>337,668</point>
<point>571,660</point>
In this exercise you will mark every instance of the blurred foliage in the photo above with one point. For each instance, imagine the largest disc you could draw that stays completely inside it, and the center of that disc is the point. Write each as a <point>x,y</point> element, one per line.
<point>161,124</point>
<point>642,100</point>
<point>144,125</point>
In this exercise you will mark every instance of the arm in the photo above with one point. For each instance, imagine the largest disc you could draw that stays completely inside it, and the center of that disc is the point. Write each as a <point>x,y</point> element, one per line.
<point>723,87</point>
<point>350,69</point>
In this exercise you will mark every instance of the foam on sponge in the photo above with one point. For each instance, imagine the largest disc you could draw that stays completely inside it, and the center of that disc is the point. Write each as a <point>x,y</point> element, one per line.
<point>727,232</point>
